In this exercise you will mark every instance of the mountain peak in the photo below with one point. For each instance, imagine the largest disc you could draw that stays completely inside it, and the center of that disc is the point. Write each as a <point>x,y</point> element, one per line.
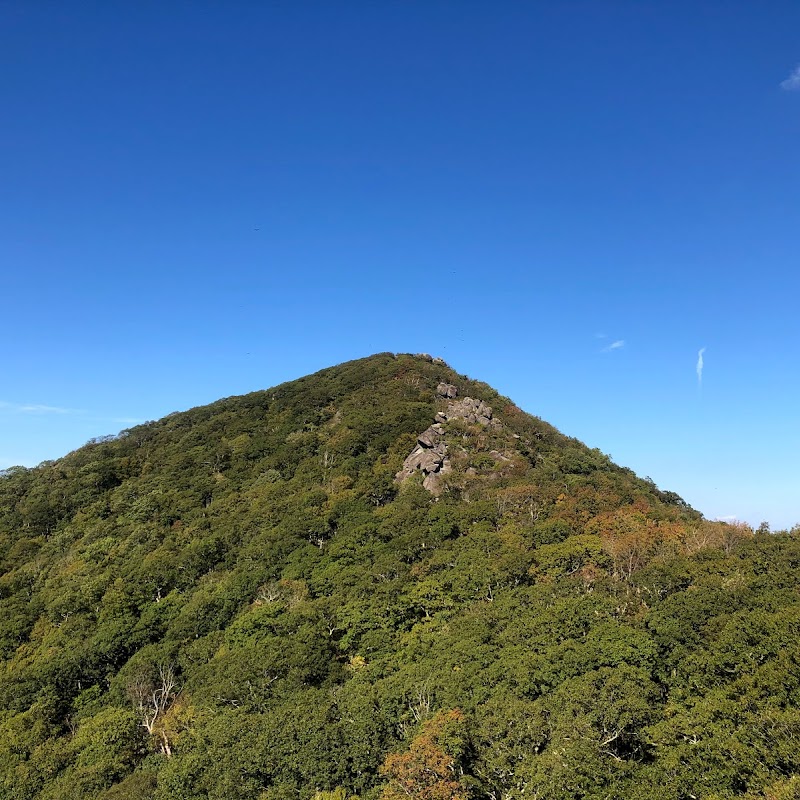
<point>334,585</point>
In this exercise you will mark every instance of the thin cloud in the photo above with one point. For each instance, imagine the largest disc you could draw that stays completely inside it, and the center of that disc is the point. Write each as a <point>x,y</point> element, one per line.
<point>40,409</point>
<point>36,408</point>
<point>617,345</point>
<point>699,367</point>
<point>792,83</point>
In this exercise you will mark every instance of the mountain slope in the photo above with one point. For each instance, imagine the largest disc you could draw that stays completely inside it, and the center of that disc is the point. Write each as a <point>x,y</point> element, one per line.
<point>383,578</point>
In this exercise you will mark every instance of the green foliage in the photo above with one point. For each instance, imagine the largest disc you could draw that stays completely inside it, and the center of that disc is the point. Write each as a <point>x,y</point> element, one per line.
<point>239,601</point>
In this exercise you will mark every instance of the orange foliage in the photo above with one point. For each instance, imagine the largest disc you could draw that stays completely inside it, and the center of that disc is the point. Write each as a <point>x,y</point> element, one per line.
<point>427,771</point>
<point>632,538</point>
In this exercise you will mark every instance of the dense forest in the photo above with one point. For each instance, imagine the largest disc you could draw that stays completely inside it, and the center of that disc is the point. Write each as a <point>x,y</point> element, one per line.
<point>269,598</point>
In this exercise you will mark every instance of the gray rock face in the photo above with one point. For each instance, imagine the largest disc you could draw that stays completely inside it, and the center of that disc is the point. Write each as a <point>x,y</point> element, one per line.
<point>430,462</point>
<point>430,456</point>
<point>432,436</point>
<point>472,411</point>
<point>433,480</point>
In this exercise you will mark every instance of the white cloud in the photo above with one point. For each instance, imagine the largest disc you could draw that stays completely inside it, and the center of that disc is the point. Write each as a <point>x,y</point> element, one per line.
<point>792,83</point>
<point>699,367</point>
<point>617,345</point>
<point>727,518</point>
<point>40,409</point>
<point>36,408</point>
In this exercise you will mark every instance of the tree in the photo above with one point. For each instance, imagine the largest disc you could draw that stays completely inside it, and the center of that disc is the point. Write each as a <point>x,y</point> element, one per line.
<point>431,768</point>
<point>152,696</point>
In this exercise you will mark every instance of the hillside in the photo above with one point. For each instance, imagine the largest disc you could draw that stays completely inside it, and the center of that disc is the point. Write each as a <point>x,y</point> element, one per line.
<point>384,580</point>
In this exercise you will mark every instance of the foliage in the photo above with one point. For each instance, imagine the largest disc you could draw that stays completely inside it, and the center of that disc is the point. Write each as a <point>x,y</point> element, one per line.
<point>430,768</point>
<point>238,601</point>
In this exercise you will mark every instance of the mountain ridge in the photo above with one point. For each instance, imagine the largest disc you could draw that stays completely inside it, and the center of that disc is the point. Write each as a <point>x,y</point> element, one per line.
<point>260,598</point>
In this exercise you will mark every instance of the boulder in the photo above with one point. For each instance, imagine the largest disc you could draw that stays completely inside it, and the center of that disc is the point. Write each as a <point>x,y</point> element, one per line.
<point>446,390</point>
<point>430,461</point>
<point>430,437</point>
<point>414,459</point>
<point>433,483</point>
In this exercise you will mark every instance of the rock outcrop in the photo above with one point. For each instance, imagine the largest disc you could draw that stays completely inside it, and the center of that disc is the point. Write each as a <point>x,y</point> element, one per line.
<point>432,359</point>
<point>430,456</point>
<point>471,411</point>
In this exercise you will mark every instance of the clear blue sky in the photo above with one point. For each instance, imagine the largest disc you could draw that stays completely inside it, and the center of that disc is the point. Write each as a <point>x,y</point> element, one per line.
<point>203,199</point>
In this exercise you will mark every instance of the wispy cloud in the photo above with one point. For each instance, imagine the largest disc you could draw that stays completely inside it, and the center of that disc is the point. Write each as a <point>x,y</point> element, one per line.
<point>727,518</point>
<point>792,83</point>
<point>699,367</point>
<point>36,408</point>
<point>40,409</point>
<point>616,345</point>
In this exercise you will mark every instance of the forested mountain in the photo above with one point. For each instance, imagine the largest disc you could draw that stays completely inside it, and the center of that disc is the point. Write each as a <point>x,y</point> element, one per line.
<point>386,581</point>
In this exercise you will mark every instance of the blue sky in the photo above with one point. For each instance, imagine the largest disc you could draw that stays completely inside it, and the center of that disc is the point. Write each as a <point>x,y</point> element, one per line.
<point>204,199</point>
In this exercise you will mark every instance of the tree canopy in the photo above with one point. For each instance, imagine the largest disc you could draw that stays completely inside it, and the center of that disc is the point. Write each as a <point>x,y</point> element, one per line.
<point>242,601</point>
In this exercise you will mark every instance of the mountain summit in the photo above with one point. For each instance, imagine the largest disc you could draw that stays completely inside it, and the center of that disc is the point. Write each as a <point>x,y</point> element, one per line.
<point>383,580</point>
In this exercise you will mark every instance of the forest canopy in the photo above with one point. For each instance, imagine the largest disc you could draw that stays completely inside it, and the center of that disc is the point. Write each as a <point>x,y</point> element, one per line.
<point>243,600</point>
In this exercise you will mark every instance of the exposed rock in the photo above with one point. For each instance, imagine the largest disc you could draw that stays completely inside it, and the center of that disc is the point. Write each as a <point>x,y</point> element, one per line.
<point>432,436</point>
<point>473,411</point>
<point>433,480</point>
<point>411,464</point>
<point>431,461</point>
<point>483,410</point>
<point>430,456</point>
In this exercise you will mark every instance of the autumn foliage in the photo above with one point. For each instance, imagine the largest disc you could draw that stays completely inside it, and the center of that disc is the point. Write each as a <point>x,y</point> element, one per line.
<point>429,770</point>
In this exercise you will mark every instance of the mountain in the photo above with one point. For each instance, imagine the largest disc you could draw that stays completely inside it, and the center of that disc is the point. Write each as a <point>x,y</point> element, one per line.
<point>384,580</point>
